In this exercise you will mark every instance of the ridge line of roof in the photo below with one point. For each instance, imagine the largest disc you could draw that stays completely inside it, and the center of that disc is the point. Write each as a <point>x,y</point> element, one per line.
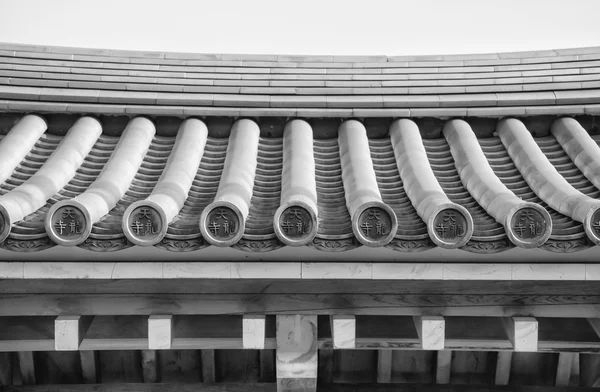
<point>55,49</point>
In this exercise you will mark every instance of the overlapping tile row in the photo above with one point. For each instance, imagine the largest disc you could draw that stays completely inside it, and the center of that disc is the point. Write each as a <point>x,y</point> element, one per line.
<point>82,81</point>
<point>194,187</point>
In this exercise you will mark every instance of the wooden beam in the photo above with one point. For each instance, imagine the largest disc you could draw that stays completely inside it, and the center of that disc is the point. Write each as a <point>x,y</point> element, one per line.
<point>27,367</point>
<point>160,332</point>
<point>267,286</point>
<point>431,331</point>
<point>444,367</point>
<point>296,360</point>
<point>563,369</point>
<point>253,331</point>
<point>88,366</point>
<point>250,387</point>
<point>343,331</point>
<point>503,364</point>
<point>497,305</point>
<point>69,332</point>
<point>208,366</point>
<point>384,366</point>
<point>149,366</point>
<point>522,333</point>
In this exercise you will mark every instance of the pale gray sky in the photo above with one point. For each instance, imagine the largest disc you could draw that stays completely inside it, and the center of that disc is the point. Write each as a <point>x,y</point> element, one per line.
<point>307,26</point>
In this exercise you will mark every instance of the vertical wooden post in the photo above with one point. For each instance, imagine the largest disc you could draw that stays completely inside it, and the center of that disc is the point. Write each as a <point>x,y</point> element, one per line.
<point>503,364</point>
<point>208,366</point>
<point>296,361</point>
<point>149,366</point>
<point>88,366</point>
<point>444,367</point>
<point>325,366</point>
<point>384,366</point>
<point>6,369</point>
<point>253,328</point>
<point>27,367</point>
<point>343,331</point>
<point>431,331</point>
<point>563,369</point>
<point>522,333</point>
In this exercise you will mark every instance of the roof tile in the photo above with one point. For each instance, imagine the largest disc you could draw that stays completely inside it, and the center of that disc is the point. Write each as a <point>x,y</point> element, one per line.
<point>465,100</point>
<point>573,97</point>
<point>526,99</point>
<point>298,101</point>
<point>411,101</point>
<point>184,99</point>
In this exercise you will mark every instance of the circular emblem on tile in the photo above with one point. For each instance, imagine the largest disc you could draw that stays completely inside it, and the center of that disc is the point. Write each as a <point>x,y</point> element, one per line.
<point>591,224</point>
<point>144,223</point>
<point>295,224</point>
<point>529,226</point>
<point>374,224</point>
<point>68,223</point>
<point>4,223</point>
<point>451,226</point>
<point>221,224</point>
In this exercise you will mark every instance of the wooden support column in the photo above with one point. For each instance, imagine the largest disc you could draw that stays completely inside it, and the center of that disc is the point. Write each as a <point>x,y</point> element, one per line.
<point>27,367</point>
<point>431,331</point>
<point>6,369</point>
<point>149,366</point>
<point>69,332</point>
<point>503,364</point>
<point>296,353</point>
<point>253,328</point>
<point>384,366</point>
<point>267,366</point>
<point>208,366</point>
<point>444,366</point>
<point>326,366</point>
<point>160,332</point>
<point>563,369</point>
<point>343,331</point>
<point>522,333</point>
<point>88,366</point>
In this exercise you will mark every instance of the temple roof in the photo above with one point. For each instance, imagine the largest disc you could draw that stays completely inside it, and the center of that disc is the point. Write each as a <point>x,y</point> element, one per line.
<point>75,80</point>
<point>109,149</point>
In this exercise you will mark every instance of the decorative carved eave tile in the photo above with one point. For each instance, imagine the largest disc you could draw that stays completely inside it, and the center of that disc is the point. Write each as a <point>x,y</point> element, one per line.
<point>318,159</point>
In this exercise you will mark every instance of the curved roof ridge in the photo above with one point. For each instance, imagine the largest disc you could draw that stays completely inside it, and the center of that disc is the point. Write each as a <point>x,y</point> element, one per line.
<point>66,50</point>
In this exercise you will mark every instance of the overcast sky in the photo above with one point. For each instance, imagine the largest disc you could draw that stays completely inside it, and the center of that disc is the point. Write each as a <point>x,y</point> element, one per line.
<point>307,26</point>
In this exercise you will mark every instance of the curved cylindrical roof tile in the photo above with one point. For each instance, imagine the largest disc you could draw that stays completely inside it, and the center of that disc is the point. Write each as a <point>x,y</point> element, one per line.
<point>296,219</point>
<point>545,180</point>
<point>108,188</point>
<point>55,173</point>
<point>579,145</point>
<point>449,225</point>
<point>19,141</point>
<point>222,223</point>
<point>374,223</point>
<point>527,224</point>
<point>145,222</point>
